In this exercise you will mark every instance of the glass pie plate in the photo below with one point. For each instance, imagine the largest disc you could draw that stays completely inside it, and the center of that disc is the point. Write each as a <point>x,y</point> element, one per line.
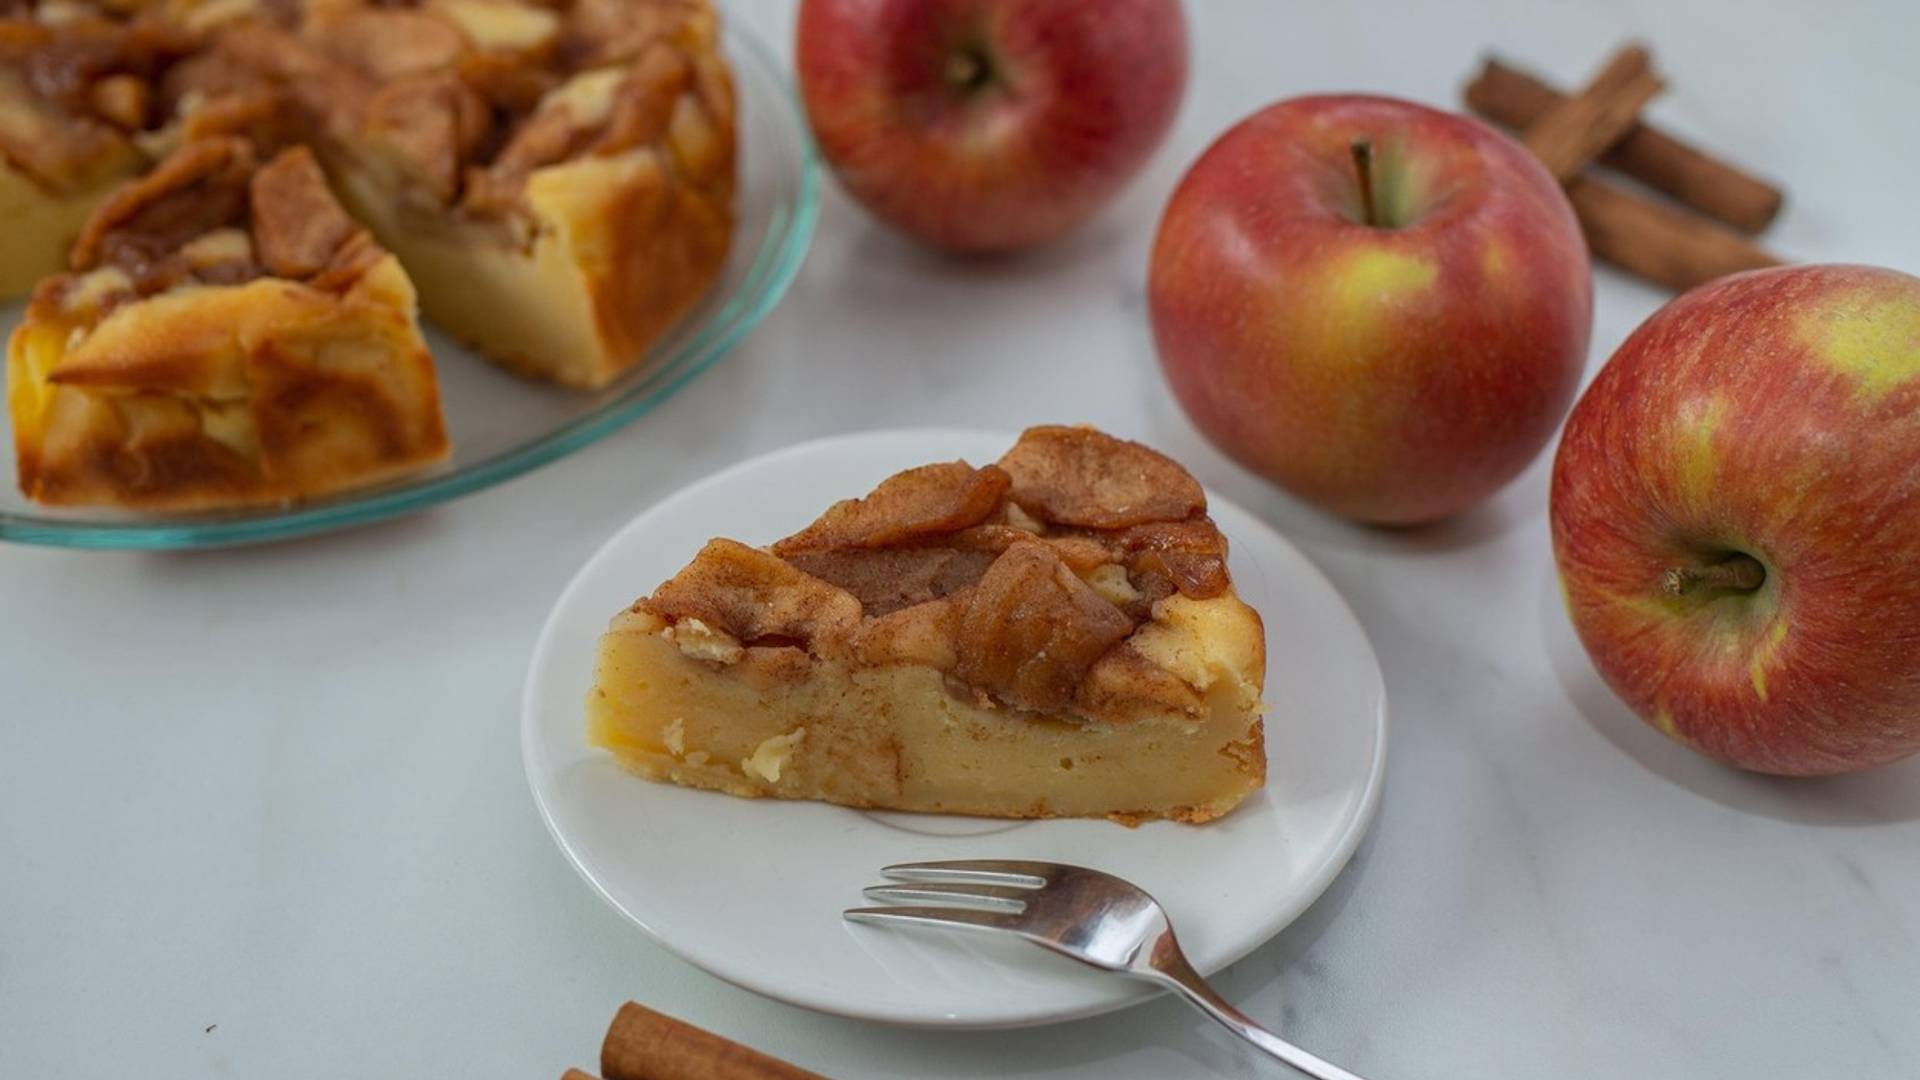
<point>503,425</point>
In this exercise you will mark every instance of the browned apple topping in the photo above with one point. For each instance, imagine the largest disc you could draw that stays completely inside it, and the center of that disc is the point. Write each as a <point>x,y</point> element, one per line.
<point>386,42</point>
<point>888,579</point>
<point>431,122</point>
<point>470,97</point>
<point>1122,685</point>
<point>298,227</point>
<point>644,101</point>
<point>921,634</point>
<point>752,595</point>
<point>602,32</point>
<point>928,500</point>
<point>202,77</point>
<point>1080,476</point>
<point>1032,629</point>
<point>75,88</point>
<point>1191,553</point>
<point>507,82</point>
<point>941,565</point>
<point>201,188</point>
<point>595,113</point>
<point>122,100</point>
<point>1081,553</point>
<point>61,153</point>
<point>211,213</point>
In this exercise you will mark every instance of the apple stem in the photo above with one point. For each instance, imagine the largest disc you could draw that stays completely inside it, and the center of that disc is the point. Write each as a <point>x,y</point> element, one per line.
<point>965,70</point>
<point>1741,573</point>
<point>1363,165</point>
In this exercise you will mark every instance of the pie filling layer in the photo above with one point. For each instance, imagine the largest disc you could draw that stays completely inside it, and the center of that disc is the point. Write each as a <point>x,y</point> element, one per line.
<point>899,737</point>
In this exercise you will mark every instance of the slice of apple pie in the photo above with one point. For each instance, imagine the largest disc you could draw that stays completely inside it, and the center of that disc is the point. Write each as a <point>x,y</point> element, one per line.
<point>228,336</point>
<point>1051,635</point>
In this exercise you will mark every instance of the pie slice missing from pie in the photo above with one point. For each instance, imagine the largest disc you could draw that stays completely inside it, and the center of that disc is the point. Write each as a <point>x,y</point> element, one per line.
<point>1052,635</point>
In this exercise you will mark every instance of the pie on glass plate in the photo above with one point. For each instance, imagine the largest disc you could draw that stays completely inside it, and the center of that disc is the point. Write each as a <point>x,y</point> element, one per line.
<point>1051,635</point>
<point>552,181</point>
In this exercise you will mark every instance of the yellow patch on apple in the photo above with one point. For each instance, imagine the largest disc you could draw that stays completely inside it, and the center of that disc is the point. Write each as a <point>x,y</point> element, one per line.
<point>1371,277</point>
<point>1697,422</point>
<point>1365,284</point>
<point>1763,656</point>
<point>1874,339</point>
<point>1663,719</point>
<point>1493,260</point>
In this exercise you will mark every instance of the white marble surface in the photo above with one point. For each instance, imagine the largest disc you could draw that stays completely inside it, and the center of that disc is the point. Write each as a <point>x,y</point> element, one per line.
<point>262,811</point>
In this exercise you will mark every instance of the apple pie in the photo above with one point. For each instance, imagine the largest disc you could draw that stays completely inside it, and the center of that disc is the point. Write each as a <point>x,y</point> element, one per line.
<point>1052,635</point>
<point>228,336</point>
<point>550,180</point>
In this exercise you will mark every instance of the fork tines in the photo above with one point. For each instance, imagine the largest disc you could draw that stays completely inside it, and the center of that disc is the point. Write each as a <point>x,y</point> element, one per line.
<point>959,892</point>
<point>1022,872</point>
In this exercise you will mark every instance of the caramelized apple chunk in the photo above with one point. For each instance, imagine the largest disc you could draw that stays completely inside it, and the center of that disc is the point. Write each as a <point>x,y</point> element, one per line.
<point>754,595</point>
<point>388,43</point>
<point>297,224</point>
<point>1084,477</point>
<point>1192,554</point>
<point>200,188</point>
<point>1124,685</point>
<point>885,580</point>
<point>921,634</point>
<point>927,501</point>
<point>434,123</point>
<point>1032,629</point>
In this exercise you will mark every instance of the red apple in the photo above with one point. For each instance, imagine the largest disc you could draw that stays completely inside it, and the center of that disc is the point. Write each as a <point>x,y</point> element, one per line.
<point>1736,517</point>
<point>1381,307</point>
<point>989,125</point>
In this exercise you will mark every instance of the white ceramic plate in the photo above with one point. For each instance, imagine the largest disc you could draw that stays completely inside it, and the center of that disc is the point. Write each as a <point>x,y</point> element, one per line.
<point>752,889</point>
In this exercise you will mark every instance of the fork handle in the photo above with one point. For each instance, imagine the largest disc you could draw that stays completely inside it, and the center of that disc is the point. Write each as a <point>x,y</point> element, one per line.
<point>1171,968</point>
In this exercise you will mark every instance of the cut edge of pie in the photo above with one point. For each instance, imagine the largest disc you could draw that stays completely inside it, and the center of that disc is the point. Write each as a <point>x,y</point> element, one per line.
<point>1054,635</point>
<point>40,228</point>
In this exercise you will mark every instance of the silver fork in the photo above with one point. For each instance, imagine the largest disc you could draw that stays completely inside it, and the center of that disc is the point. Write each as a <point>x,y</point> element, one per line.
<point>1092,917</point>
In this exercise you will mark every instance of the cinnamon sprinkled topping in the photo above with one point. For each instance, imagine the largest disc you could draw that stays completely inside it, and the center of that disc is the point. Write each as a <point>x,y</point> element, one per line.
<point>997,575</point>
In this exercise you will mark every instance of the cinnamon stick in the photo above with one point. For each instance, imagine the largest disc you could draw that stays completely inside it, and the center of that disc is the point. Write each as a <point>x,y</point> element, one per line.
<point>1578,129</point>
<point>645,1045</point>
<point>1668,246</point>
<point>1509,96</point>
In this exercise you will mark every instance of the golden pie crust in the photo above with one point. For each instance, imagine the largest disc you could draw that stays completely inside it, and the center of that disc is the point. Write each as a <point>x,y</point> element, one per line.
<point>1055,634</point>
